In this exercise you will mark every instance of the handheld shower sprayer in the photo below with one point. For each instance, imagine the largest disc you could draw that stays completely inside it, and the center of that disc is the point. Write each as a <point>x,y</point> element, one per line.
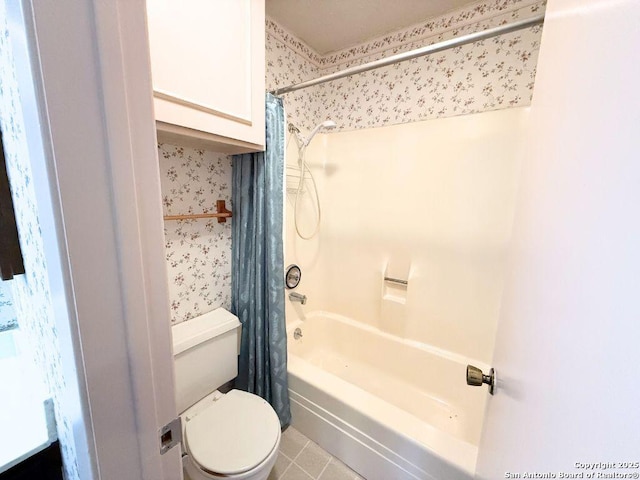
<point>303,143</point>
<point>326,125</point>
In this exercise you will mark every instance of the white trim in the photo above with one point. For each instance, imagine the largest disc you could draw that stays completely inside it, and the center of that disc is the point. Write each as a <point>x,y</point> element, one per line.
<point>126,81</point>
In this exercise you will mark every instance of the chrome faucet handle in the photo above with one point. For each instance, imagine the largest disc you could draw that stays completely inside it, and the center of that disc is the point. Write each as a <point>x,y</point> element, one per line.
<point>297,297</point>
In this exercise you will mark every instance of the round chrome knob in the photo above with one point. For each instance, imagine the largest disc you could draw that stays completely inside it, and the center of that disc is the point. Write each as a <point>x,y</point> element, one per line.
<point>476,378</point>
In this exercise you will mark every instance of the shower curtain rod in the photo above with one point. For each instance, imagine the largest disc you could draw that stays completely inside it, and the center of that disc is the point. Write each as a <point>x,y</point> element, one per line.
<point>419,52</point>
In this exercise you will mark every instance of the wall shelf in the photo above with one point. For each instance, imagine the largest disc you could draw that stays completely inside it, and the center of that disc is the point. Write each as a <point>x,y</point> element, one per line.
<point>222,214</point>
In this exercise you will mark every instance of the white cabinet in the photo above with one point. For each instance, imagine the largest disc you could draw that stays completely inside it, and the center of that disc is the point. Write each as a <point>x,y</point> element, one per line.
<point>207,62</point>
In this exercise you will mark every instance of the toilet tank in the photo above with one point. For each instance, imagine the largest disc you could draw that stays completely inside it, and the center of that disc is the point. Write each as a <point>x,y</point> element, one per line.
<point>205,351</point>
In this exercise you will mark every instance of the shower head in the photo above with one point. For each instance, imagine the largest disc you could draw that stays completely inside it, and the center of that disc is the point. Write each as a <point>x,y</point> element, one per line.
<point>326,125</point>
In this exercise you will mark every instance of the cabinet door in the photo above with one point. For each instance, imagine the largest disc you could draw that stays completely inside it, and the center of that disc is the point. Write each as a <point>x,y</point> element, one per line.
<point>207,59</point>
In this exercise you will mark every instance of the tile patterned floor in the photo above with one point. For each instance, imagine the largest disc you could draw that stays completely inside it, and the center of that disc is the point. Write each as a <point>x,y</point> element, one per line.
<point>301,459</point>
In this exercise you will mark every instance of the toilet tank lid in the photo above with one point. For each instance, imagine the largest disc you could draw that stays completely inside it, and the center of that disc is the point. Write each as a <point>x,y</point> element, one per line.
<point>200,329</point>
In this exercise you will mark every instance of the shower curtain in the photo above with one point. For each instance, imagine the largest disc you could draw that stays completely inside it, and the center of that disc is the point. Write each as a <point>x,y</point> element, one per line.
<point>257,277</point>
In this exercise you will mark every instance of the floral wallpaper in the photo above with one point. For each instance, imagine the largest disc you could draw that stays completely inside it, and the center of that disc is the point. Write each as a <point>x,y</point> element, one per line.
<point>486,75</point>
<point>30,292</point>
<point>284,66</point>
<point>8,318</point>
<point>198,252</point>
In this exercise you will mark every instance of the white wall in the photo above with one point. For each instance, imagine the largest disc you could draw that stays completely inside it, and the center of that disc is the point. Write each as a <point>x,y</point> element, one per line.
<point>434,201</point>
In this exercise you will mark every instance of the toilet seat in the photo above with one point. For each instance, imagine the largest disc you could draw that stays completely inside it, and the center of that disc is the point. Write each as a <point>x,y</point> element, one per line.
<point>232,435</point>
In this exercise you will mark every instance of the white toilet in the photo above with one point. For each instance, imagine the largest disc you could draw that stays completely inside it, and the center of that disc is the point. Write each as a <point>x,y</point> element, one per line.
<point>225,436</point>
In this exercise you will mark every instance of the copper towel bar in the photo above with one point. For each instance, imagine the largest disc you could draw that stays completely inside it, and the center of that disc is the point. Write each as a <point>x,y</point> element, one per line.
<point>222,214</point>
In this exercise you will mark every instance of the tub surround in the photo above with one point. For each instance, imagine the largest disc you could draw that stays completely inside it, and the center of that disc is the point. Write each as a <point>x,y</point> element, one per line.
<point>431,201</point>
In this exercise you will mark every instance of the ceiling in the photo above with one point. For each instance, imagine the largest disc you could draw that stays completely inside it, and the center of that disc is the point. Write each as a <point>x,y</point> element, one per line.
<point>331,25</point>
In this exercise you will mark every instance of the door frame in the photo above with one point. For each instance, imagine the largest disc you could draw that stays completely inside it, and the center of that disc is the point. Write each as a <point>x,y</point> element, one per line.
<point>99,203</point>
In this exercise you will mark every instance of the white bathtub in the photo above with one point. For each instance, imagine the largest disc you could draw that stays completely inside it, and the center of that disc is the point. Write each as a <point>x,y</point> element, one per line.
<point>389,408</point>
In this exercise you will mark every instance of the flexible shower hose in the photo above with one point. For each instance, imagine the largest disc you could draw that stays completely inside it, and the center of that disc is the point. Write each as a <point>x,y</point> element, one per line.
<point>303,169</point>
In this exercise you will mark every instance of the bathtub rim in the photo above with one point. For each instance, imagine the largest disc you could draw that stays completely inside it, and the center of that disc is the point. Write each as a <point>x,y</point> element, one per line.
<point>424,347</point>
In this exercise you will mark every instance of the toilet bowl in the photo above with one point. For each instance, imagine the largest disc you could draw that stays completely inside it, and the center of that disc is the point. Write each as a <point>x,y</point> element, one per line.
<point>225,436</point>
<point>230,436</point>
